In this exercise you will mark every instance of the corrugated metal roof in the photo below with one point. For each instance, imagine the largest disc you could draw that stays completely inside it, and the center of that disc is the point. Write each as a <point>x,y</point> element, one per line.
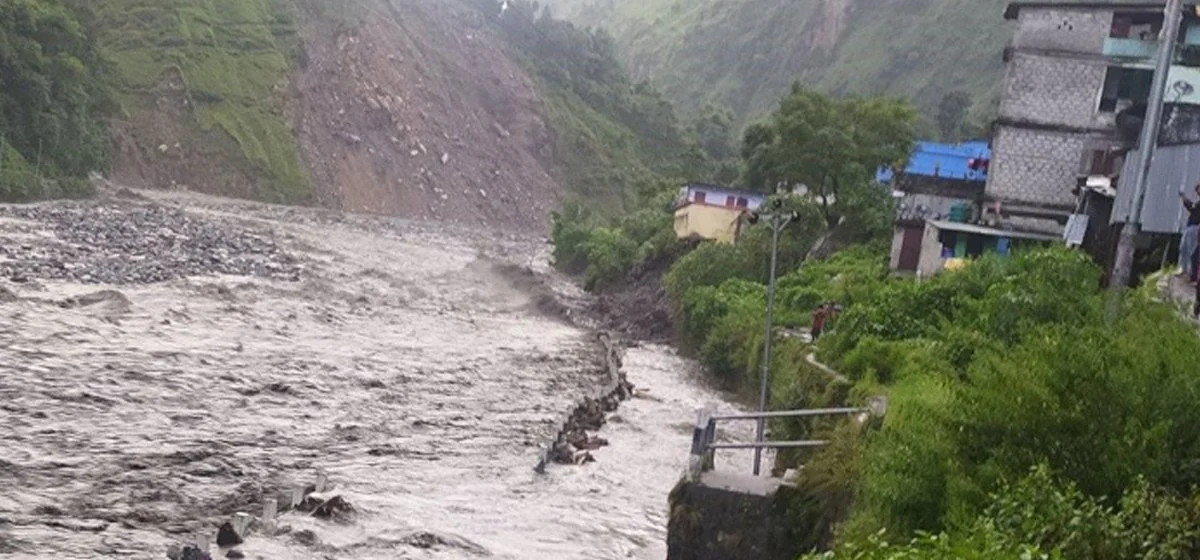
<point>942,160</point>
<point>1173,168</point>
<point>981,230</point>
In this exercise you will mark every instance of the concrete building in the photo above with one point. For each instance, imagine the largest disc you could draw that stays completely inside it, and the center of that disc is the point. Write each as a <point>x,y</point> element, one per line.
<point>939,182</point>
<point>713,212</point>
<point>1074,98</point>
<point>942,244</point>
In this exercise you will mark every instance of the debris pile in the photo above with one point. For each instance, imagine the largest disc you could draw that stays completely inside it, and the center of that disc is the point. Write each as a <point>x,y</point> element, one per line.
<point>232,534</point>
<point>123,242</point>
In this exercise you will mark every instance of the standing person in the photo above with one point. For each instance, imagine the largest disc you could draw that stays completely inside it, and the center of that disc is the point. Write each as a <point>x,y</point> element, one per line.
<point>1188,244</point>
<point>818,321</point>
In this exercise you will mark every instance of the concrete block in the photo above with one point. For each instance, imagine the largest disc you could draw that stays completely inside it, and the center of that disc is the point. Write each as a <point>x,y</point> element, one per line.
<point>731,517</point>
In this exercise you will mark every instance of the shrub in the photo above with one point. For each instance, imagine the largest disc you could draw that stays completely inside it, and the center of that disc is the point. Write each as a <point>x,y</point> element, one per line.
<point>1006,365</point>
<point>1041,516</point>
<point>609,254</point>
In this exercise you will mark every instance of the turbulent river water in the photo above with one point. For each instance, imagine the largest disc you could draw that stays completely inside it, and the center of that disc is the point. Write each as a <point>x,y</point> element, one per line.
<point>396,356</point>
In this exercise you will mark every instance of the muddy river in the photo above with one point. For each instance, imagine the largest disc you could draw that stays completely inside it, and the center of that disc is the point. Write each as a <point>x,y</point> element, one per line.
<point>150,389</point>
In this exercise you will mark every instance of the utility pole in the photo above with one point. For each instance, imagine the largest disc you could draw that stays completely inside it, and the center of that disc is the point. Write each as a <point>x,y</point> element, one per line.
<point>778,222</point>
<point>1123,265</point>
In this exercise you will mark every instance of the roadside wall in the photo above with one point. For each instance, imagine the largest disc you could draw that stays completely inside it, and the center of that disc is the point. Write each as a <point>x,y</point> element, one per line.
<point>710,522</point>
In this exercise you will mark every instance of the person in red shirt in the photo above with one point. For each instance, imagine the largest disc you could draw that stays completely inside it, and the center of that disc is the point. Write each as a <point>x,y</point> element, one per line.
<point>820,316</point>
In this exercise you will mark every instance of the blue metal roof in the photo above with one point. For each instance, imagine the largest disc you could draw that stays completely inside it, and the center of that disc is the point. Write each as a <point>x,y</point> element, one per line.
<point>943,160</point>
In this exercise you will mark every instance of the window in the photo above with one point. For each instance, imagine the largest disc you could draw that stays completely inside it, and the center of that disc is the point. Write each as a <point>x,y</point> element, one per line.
<point>731,201</point>
<point>1124,87</point>
<point>700,196</point>
<point>1136,25</point>
<point>743,203</point>
<point>1107,163</point>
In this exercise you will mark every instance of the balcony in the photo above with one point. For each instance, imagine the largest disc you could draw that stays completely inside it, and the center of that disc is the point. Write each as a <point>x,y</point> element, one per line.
<point>1133,50</point>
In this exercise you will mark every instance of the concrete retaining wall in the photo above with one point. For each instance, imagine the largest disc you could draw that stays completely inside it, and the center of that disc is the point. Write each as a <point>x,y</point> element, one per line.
<point>730,517</point>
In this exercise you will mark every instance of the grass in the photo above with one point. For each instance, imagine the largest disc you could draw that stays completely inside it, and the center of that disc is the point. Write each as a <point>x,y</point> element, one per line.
<point>234,57</point>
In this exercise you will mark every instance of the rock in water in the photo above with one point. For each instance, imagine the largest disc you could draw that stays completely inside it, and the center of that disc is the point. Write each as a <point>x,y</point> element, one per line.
<point>235,553</point>
<point>334,508</point>
<point>187,553</point>
<point>227,536</point>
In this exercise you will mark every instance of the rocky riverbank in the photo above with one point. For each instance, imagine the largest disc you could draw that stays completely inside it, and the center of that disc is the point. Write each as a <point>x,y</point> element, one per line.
<point>131,241</point>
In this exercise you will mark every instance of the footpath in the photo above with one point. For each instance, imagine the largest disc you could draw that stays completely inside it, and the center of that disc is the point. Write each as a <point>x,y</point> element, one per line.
<point>1180,291</point>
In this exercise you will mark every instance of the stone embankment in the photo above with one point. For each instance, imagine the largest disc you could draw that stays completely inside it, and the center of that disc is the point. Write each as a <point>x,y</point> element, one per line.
<point>572,445</point>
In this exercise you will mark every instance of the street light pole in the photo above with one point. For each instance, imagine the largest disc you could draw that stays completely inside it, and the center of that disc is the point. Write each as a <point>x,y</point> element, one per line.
<point>778,223</point>
<point>1123,264</point>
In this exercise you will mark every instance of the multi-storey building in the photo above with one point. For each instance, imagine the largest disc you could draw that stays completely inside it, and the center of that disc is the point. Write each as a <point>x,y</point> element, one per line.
<point>1074,99</point>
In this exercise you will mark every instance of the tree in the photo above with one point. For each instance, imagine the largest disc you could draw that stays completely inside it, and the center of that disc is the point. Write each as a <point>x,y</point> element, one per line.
<point>952,115</point>
<point>714,130</point>
<point>831,146</point>
<point>52,97</point>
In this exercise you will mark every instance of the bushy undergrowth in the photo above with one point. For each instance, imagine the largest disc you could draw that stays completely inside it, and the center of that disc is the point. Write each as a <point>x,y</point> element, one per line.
<point>1043,517</point>
<point>605,250</point>
<point>1019,423</point>
<point>1006,366</point>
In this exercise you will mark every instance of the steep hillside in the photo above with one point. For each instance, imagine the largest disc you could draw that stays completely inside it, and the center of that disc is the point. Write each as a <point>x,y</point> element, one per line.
<point>403,107</point>
<point>744,53</point>
<point>201,90</point>
<point>611,134</point>
<point>475,111</point>
<point>414,108</point>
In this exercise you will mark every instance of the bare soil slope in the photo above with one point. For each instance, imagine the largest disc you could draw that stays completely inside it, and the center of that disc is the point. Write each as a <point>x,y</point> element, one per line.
<point>409,108</point>
<point>419,112</point>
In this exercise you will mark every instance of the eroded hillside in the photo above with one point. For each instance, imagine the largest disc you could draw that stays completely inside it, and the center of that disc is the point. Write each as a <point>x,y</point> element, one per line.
<point>416,109</point>
<point>404,107</point>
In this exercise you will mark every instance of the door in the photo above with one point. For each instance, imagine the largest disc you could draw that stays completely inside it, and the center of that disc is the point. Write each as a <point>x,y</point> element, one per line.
<point>910,248</point>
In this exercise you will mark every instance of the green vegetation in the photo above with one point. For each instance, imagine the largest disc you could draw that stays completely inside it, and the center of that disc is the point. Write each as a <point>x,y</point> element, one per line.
<point>604,250</point>
<point>52,103</point>
<point>744,54</point>
<point>833,147</point>
<point>718,289</point>
<point>1041,517</point>
<point>232,57</point>
<point>1018,421</point>
<point>867,132</point>
<point>1019,424</point>
<point>1005,367</point>
<point>612,134</point>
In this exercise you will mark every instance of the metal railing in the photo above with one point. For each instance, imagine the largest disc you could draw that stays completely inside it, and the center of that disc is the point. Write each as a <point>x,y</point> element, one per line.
<point>704,433</point>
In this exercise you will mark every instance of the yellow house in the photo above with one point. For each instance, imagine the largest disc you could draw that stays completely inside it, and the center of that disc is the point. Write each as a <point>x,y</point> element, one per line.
<point>711,212</point>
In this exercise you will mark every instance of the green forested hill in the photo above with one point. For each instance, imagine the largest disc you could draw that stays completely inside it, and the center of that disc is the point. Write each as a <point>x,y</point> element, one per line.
<point>743,54</point>
<point>51,96</point>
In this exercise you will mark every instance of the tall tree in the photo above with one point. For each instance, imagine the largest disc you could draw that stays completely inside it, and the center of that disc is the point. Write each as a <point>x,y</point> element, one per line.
<point>832,147</point>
